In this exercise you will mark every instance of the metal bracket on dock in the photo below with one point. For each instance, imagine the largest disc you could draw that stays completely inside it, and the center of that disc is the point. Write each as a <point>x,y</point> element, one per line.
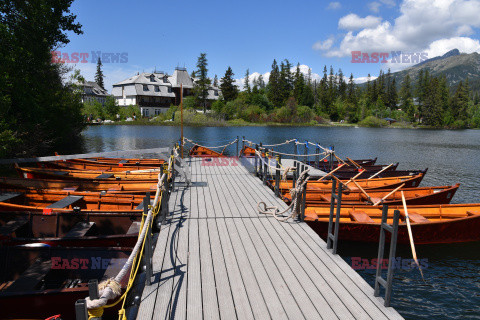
<point>393,229</point>
<point>332,238</point>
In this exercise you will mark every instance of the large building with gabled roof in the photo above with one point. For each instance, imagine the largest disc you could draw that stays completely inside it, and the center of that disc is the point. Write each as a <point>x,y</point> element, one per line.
<point>155,92</point>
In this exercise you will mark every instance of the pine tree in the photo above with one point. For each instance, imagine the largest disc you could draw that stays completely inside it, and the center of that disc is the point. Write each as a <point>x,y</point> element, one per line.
<point>228,87</point>
<point>203,82</point>
<point>299,84</point>
<point>432,110</point>
<point>215,81</point>
<point>351,95</point>
<point>406,98</point>
<point>342,86</point>
<point>99,74</point>
<point>274,93</point>
<point>246,83</point>
<point>261,82</point>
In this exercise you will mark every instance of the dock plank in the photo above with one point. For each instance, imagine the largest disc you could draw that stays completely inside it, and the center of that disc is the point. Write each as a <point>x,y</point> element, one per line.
<point>218,258</point>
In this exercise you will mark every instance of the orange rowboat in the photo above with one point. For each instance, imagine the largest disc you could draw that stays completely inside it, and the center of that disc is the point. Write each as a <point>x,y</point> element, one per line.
<point>199,151</point>
<point>137,186</point>
<point>367,184</point>
<point>73,165</point>
<point>413,196</point>
<point>447,223</point>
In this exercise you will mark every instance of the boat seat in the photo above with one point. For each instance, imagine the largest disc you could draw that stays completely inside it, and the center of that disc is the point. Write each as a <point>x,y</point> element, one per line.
<point>31,277</point>
<point>65,202</point>
<point>417,218</point>
<point>9,195</point>
<point>325,198</point>
<point>12,226</point>
<point>134,228</point>
<point>104,176</point>
<point>140,206</point>
<point>80,229</point>
<point>74,188</point>
<point>123,161</point>
<point>359,216</point>
<point>117,188</point>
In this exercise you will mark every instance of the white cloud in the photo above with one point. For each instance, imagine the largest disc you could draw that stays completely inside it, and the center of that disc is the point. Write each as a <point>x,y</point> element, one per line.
<point>374,6</point>
<point>323,45</point>
<point>354,22</point>
<point>334,5</point>
<point>420,24</point>
<point>464,44</point>
<point>363,79</point>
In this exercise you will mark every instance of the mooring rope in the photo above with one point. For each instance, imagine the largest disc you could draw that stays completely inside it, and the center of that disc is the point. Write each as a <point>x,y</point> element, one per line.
<point>269,145</point>
<point>111,288</point>
<point>216,147</point>
<point>282,168</point>
<point>294,192</point>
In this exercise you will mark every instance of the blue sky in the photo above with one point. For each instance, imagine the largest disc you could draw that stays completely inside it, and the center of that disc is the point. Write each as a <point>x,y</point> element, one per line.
<point>250,34</point>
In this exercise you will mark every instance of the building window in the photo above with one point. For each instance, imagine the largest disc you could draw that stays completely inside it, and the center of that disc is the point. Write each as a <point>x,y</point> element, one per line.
<point>152,78</point>
<point>145,112</point>
<point>157,88</point>
<point>145,87</point>
<point>215,92</point>
<point>157,112</point>
<point>165,80</point>
<point>169,90</point>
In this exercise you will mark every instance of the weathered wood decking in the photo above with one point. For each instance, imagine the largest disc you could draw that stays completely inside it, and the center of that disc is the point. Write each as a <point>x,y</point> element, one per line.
<point>217,258</point>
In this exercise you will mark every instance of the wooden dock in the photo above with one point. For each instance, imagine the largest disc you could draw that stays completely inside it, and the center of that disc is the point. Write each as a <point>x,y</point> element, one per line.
<point>217,258</point>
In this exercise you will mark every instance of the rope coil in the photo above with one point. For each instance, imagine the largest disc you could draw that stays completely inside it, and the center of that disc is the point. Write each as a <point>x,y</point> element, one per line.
<point>294,205</point>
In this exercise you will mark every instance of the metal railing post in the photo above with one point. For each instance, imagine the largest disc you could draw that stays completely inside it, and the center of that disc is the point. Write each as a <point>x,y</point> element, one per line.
<point>393,229</point>
<point>335,203</point>
<point>304,201</point>
<point>147,255</point>
<point>173,169</point>
<point>255,168</point>
<point>93,289</point>
<point>260,160</point>
<point>237,147</point>
<point>277,177</point>
<point>295,150</point>
<point>317,157</point>
<point>243,143</point>
<point>295,173</point>
<point>332,158</point>
<point>81,312</point>
<point>306,152</point>
<point>265,167</point>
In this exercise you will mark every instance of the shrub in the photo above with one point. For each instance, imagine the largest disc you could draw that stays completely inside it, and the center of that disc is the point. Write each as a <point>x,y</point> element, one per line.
<point>305,114</point>
<point>283,115</point>
<point>373,122</point>
<point>254,114</point>
<point>128,111</point>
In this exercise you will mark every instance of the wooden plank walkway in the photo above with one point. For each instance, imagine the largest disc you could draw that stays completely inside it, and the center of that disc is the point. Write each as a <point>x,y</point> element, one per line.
<point>217,258</point>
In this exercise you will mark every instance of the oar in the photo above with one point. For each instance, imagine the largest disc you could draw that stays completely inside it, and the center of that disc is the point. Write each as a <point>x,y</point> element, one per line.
<point>412,245</point>
<point>388,195</point>
<point>331,172</point>
<point>355,164</point>
<point>340,181</point>
<point>356,176</point>
<point>363,191</point>
<point>376,174</point>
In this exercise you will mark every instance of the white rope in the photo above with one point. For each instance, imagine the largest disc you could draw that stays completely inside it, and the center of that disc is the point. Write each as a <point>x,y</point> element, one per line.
<point>286,169</point>
<point>294,192</point>
<point>216,147</point>
<point>269,145</point>
<point>110,289</point>
<point>302,155</point>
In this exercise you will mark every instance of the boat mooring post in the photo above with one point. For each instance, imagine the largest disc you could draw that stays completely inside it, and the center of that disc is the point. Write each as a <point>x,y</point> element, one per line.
<point>332,238</point>
<point>260,160</point>
<point>265,167</point>
<point>303,203</point>
<point>172,156</point>
<point>393,229</point>
<point>295,173</point>
<point>255,167</point>
<point>317,157</point>
<point>332,158</point>
<point>306,152</point>
<point>295,150</point>
<point>147,256</point>
<point>277,176</point>
<point>237,147</point>
<point>93,289</point>
<point>81,312</point>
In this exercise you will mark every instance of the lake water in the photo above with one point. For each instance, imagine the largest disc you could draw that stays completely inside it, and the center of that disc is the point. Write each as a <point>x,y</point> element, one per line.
<point>452,279</point>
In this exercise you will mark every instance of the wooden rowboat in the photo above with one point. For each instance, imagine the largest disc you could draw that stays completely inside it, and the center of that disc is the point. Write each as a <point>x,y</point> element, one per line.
<point>70,230</point>
<point>373,167</point>
<point>108,185</point>
<point>345,175</point>
<point>39,282</point>
<point>325,163</point>
<point>199,151</point>
<point>49,203</point>
<point>413,196</point>
<point>120,161</point>
<point>367,184</point>
<point>447,223</point>
<point>37,173</point>
<point>74,165</point>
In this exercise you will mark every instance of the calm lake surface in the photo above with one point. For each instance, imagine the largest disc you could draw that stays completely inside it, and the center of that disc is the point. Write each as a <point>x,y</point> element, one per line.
<point>452,280</point>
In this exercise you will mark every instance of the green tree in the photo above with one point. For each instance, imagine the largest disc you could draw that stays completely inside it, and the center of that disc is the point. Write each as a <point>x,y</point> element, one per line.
<point>246,82</point>
<point>229,89</point>
<point>406,98</point>
<point>215,81</point>
<point>299,84</point>
<point>202,84</point>
<point>38,111</point>
<point>99,74</point>
<point>111,107</point>
<point>274,92</point>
